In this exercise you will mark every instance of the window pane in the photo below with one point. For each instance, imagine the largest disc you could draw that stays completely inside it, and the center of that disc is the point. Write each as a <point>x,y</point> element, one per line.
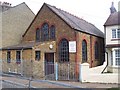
<point>118,61</point>
<point>117,53</point>
<point>84,51</point>
<point>63,51</point>
<point>8,57</point>
<point>45,32</point>
<point>117,57</point>
<point>37,55</point>
<point>37,35</point>
<point>118,33</point>
<point>52,32</point>
<point>18,57</point>
<point>96,51</point>
<point>114,33</point>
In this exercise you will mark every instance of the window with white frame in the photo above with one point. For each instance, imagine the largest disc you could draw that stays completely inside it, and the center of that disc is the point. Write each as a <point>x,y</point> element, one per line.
<point>115,33</point>
<point>117,57</point>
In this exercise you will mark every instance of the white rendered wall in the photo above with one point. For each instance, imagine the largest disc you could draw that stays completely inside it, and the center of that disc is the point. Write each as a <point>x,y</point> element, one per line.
<point>108,35</point>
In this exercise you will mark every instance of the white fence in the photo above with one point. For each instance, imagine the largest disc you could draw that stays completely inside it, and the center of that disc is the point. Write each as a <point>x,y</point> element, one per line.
<point>94,75</point>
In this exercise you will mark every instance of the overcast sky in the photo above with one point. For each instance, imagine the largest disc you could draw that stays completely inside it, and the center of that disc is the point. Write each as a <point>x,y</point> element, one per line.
<point>93,11</point>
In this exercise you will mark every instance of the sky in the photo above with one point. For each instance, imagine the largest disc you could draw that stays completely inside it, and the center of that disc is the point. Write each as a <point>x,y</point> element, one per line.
<point>93,11</point>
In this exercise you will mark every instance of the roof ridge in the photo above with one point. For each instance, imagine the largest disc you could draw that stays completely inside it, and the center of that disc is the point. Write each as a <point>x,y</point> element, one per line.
<point>76,24</point>
<point>12,7</point>
<point>70,14</point>
<point>63,13</point>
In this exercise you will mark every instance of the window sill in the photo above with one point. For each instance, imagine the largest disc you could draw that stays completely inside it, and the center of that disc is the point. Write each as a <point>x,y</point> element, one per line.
<point>115,39</point>
<point>115,66</point>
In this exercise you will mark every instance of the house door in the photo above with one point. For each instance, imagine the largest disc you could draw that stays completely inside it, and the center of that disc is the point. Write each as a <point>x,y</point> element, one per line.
<point>49,63</point>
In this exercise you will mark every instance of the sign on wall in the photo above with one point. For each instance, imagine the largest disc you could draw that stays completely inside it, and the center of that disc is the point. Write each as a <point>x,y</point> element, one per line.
<point>72,46</point>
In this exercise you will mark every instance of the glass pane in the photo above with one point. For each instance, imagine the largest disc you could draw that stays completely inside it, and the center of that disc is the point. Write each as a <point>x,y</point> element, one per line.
<point>37,35</point>
<point>64,51</point>
<point>118,33</point>
<point>52,32</point>
<point>84,51</point>
<point>114,33</point>
<point>117,61</point>
<point>45,32</point>
<point>117,53</point>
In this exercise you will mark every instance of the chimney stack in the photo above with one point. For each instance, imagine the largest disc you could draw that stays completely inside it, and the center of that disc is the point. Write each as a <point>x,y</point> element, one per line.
<point>5,6</point>
<point>112,8</point>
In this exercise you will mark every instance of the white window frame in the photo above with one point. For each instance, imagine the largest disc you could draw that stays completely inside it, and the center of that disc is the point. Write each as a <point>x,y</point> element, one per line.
<point>114,57</point>
<point>116,34</point>
<point>117,57</point>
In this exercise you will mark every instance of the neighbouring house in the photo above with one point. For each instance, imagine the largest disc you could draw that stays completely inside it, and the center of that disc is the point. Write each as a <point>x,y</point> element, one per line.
<point>14,22</point>
<point>55,36</point>
<point>112,39</point>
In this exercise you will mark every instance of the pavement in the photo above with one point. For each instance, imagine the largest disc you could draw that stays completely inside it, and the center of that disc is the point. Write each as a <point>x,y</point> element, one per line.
<point>36,83</point>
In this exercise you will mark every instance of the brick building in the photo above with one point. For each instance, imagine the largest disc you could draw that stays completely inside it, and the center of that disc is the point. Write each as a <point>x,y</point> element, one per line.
<point>56,36</point>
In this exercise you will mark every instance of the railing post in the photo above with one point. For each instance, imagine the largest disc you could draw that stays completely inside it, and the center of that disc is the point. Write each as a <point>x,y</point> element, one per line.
<point>56,71</point>
<point>21,67</point>
<point>68,71</point>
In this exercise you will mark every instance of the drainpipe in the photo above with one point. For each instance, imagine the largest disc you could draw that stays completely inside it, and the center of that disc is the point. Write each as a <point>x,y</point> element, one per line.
<point>106,64</point>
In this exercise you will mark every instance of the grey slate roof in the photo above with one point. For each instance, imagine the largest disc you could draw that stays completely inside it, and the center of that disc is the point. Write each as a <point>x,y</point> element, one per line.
<point>77,23</point>
<point>113,19</point>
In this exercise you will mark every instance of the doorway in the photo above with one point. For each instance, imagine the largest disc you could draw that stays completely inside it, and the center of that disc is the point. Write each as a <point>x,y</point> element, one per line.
<point>49,63</point>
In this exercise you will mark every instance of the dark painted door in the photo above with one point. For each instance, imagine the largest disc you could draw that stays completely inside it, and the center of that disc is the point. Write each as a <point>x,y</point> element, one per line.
<point>49,63</point>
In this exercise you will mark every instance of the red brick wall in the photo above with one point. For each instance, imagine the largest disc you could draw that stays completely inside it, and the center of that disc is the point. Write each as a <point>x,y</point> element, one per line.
<point>63,30</point>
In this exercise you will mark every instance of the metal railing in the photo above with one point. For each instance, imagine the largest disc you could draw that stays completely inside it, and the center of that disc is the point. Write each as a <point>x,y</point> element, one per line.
<point>42,70</point>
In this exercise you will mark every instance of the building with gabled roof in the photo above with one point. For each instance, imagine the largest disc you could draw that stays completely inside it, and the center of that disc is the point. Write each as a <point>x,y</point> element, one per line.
<point>15,21</point>
<point>112,39</point>
<point>56,36</point>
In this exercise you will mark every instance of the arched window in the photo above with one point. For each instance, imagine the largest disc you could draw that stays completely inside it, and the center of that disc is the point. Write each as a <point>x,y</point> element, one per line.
<point>96,51</point>
<point>45,32</point>
<point>63,51</point>
<point>52,32</point>
<point>84,51</point>
<point>37,34</point>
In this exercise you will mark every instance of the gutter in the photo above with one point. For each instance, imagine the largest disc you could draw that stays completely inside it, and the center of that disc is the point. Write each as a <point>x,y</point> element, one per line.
<point>106,64</point>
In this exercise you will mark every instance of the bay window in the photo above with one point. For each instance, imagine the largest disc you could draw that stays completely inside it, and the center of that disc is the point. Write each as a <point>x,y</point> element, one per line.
<point>115,57</point>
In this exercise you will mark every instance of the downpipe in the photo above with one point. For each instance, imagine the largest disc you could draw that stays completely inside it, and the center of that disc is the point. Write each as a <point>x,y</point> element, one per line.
<point>106,64</point>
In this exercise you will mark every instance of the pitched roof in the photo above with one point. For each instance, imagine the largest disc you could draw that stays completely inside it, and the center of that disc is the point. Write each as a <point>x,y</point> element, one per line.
<point>73,21</point>
<point>20,46</point>
<point>19,5</point>
<point>77,23</point>
<point>113,19</point>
